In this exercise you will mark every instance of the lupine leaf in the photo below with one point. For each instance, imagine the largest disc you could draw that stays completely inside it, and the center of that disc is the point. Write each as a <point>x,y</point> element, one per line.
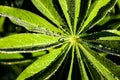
<point>99,10</point>
<point>84,7</point>
<point>68,10</point>
<point>20,56</point>
<point>94,73</point>
<point>23,18</point>
<point>114,32</point>
<point>47,73</point>
<point>104,33</point>
<point>10,56</point>
<point>108,69</point>
<point>16,62</point>
<point>101,14</point>
<point>77,10</point>
<point>48,8</point>
<point>71,65</point>
<point>108,18</point>
<point>40,64</point>
<point>83,72</point>
<point>114,38</point>
<point>118,3</point>
<point>106,41</point>
<point>107,45</point>
<point>2,20</point>
<point>27,42</point>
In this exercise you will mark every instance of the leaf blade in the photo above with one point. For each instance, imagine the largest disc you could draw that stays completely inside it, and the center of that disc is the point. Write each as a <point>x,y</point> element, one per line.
<point>71,65</point>
<point>54,67</point>
<point>81,65</point>
<point>47,8</point>
<point>23,18</point>
<point>98,13</point>
<point>65,8</point>
<point>27,42</point>
<point>100,63</point>
<point>40,64</point>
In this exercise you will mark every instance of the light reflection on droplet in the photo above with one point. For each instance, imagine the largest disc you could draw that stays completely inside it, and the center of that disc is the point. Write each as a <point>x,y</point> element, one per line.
<point>61,40</point>
<point>100,46</point>
<point>109,48</point>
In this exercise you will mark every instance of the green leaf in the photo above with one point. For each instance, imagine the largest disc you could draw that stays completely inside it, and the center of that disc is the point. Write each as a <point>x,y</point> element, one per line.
<point>48,8</point>
<point>2,20</point>
<point>108,69</point>
<point>81,64</point>
<point>20,56</point>
<point>23,18</point>
<point>114,38</point>
<point>94,73</point>
<point>68,10</point>
<point>11,56</point>
<point>107,41</point>
<point>48,72</point>
<point>118,3</point>
<point>98,11</point>
<point>16,62</point>
<point>27,42</point>
<point>71,65</point>
<point>41,64</point>
<point>84,7</point>
<point>107,45</point>
<point>111,21</point>
<point>114,32</point>
<point>104,33</point>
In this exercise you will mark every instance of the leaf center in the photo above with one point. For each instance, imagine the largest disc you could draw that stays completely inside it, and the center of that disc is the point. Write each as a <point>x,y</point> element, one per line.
<point>73,39</point>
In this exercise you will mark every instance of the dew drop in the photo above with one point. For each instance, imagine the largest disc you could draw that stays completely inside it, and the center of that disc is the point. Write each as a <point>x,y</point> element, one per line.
<point>106,47</point>
<point>109,48</point>
<point>59,33</point>
<point>61,40</point>
<point>117,50</point>
<point>100,46</point>
<point>112,49</point>
<point>116,78</point>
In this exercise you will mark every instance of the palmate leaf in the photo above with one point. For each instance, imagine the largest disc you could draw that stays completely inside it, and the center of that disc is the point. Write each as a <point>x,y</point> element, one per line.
<point>34,23</point>
<point>28,43</point>
<point>77,58</point>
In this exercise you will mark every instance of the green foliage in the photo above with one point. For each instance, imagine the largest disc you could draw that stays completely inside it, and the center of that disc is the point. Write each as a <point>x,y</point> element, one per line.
<point>61,40</point>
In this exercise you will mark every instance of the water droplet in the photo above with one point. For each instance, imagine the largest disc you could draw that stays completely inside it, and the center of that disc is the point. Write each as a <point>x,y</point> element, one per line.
<point>112,49</point>
<point>93,37</point>
<point>109,48</point>
<point>61,40</point>
<point>100,46</point>
<point>117,50</point>
<point>106,47</point>
<point>116,78</point>
<point>59,33</point>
